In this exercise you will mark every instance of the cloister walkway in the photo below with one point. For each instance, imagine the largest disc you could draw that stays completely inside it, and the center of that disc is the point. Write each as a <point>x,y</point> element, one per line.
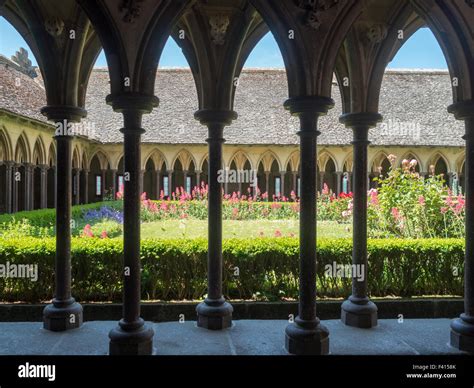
<point>245,337</point>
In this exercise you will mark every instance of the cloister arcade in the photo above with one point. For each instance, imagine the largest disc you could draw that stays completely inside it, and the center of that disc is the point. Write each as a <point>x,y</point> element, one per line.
<point>97,174</point>
<point>355,39</point>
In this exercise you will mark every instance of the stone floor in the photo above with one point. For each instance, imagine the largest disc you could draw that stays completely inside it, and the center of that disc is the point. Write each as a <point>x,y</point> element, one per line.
<point>246,337</point>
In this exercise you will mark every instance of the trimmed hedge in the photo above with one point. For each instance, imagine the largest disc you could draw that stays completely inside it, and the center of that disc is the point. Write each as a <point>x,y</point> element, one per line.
<point>263,268</point>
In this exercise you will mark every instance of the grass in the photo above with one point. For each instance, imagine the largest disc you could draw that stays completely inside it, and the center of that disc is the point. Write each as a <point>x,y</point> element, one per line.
<point>239,229</point>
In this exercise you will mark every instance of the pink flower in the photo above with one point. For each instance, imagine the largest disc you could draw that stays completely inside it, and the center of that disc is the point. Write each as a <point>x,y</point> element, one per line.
<point>104,234</point>
<point>325,189</point>
<point>444,210</point>
<point>235,212</point>
<point>395,213</point>
<point>374,198</point>
<point>87,231</point>
<point>277,233</point>
<point>143,197</point>
<point>421,200</point>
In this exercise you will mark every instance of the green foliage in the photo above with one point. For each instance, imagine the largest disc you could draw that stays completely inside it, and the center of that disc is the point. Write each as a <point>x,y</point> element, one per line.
<point>409,206</point>
<point>261,268</point>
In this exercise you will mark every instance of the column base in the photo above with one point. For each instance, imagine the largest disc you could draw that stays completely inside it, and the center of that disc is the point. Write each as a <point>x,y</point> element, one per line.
<point>131,339</point>
<point>62,315</point>
<point>462,333</point>
<point>362,314</point>
<point>214,314</point>
<point>306,338</point>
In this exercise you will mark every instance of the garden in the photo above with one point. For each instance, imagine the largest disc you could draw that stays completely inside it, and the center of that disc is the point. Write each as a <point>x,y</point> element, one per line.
<point>415,227</point>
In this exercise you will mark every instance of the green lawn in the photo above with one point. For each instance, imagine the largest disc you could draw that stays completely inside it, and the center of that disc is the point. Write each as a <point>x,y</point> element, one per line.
<point>239,229</point>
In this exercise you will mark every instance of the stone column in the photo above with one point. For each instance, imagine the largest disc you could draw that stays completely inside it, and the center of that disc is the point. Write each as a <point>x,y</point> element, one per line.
<point>226,181</point>
<point>282,183</point>
<point>103,178</point>
<point>158,183</point>
<point>86,186</point>
<point>9,186</point>
<point>322,175</point>
<point>358,310</point>
<point>267,184</point>
<point>114,183</point>
<point>131,336</point>
<point>449,179</point>
<point>462,328</point>
<point>44,186</point>
<point>64,313</point>
<point>77,186</point>
<point>170,182</point>
<point>338,182</point>
<point>29,192</point>
<point>198,178</point>
<point>185,177</point>
<point>295,182</point>
<point>215,313</point>
<point>16,178</point>
<point>306,335</point>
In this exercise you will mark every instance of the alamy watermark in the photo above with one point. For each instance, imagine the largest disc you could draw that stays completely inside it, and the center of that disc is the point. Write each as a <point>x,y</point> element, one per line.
<point>397,128</point>
<point>69,128</point>
<point>353,271</point>
<point>21,271</point>
<point>238,176</point>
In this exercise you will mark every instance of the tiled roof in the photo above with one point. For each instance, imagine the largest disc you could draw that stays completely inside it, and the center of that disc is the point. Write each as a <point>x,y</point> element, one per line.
<point>413,103</point>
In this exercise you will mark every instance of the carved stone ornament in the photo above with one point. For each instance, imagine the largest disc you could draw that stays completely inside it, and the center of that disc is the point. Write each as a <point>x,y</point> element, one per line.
<point>219,25</point>
<point>131,10</point>
<point>54,26</point>
<point>376,33</point>
<point>21,58</point>
<point>314,9</point>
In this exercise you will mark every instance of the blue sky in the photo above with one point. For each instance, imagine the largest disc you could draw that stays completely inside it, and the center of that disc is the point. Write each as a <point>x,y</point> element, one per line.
<point>420,51</point>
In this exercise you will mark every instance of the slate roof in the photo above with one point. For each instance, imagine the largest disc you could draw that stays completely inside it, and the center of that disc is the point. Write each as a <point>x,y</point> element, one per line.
<point>413,103</point>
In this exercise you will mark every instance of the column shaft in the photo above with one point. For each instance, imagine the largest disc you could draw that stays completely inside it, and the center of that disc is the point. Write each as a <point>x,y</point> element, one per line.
<point>358,311</point>
<point>215,313</point>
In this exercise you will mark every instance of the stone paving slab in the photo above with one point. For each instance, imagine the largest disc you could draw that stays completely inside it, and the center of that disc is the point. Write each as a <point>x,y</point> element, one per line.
<point>246,337</point>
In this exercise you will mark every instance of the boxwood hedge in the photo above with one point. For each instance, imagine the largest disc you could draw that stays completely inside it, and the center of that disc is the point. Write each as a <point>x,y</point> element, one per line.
<point>263,268</point>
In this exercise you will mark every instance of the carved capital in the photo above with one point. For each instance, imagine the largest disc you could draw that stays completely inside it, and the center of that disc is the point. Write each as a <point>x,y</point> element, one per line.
<point>54,26</point>
<point>219,24</point>
<point>314,10</point>
<point>376,32</point>
<point>130,9</point>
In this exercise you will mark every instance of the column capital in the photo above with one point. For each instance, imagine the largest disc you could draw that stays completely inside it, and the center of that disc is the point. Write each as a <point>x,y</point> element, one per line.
<point>361,119</point>
<point>64,112</point>
<point>215,117</point>
<point>132,101</point>
<point>462,110</point>
<point>338,173</point>
<point>316,105</point>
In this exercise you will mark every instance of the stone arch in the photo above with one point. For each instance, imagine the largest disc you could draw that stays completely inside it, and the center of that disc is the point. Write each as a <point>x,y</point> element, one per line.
<point>323,159</point>
<point>22,150</point>
<point>410,155</point>
<point>439,164</point>
<point>52,155</point>
<point>76,161</point>
<point>102,157</point>
<point>185,158</point>
<point>240,158</point>
<point>267,158</point>
<point>158,159</point>
<point>347,163</point>
<point>380,158</point>
<point>6,150</point>
<point>39,152</point>
<point>292,163</point>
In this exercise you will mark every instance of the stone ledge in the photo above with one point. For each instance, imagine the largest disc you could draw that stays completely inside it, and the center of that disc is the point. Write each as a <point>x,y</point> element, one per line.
<point>167,312</point>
